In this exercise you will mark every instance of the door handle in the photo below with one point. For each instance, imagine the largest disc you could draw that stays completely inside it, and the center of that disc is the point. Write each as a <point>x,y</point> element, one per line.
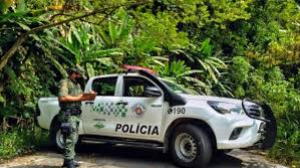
<point>156,105</point>
<point>89,102</point>
<point>122,103</point>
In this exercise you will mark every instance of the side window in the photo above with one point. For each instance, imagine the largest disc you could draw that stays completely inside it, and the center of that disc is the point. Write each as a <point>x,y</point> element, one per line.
<point>105,86</point>
<point>136,87</point>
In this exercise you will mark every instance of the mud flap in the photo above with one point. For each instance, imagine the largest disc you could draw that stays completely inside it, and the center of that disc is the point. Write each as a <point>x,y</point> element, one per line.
<point>269,130</point>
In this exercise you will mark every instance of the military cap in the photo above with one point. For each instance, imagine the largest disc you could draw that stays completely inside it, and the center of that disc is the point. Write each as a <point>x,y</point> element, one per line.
<point>77,69</point>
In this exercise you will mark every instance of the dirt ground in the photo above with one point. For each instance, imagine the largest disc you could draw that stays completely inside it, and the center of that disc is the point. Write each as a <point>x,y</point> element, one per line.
<point>102,156</point>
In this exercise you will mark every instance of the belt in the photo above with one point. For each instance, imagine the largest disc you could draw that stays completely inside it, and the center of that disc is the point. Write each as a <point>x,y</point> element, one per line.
<point>71,111</point>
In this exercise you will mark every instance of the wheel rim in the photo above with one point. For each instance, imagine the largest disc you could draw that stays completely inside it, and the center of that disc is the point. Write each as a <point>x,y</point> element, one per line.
<point>185,147</point>
<point>60,139</point>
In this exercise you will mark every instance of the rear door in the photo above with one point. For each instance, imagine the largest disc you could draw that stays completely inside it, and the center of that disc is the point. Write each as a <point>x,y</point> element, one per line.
<point>98,115</point>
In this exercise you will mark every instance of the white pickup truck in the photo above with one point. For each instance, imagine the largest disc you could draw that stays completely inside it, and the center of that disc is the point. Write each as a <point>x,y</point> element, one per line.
<point>138,108</point>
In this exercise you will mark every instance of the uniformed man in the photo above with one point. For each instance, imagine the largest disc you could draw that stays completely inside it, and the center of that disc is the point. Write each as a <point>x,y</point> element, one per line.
<point>70,97</point>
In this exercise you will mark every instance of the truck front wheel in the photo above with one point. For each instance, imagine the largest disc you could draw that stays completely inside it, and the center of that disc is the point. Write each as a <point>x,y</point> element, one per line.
<point>190,147</point>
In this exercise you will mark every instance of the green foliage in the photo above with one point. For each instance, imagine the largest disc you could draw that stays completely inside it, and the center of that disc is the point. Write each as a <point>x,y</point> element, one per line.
<point>178,72</point>
<point>203,56</point>
<point>238,75</point>
<point>5,4</point>
<point>12,143</point>
<point>161,28</point>
<point>16,142</point>
<point>288,139</point>
<point>269,85</point>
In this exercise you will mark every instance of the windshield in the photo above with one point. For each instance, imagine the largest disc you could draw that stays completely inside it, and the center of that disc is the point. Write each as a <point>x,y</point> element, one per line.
<point>178,88</point>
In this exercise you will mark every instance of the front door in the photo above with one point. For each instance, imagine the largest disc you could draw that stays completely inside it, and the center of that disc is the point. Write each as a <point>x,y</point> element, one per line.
<point>144,110</point>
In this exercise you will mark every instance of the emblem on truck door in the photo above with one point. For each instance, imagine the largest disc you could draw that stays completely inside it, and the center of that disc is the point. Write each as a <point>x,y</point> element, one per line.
<point>139,109</point>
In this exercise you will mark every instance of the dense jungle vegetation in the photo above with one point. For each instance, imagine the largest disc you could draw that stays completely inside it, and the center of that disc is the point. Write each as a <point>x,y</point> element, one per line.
<point>232,48</point>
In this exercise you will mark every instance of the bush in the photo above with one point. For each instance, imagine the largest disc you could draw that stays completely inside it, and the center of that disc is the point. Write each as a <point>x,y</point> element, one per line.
<point>270,85</point>
<point>21,141</point>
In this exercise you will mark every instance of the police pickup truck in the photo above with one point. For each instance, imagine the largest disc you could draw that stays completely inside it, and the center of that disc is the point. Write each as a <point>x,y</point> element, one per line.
<point>138,108</point>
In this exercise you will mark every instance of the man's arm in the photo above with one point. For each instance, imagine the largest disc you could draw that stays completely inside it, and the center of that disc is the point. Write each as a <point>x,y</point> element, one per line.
<point>64,96</point>
<point>71,98</point>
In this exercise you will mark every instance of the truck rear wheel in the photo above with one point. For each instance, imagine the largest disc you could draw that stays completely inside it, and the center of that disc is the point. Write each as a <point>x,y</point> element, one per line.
<point>57,137</point>
<point>190,147</point>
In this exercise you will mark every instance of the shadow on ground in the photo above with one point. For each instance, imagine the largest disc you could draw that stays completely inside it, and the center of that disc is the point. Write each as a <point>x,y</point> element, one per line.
<point>107,156</point>
<point>36,166</point>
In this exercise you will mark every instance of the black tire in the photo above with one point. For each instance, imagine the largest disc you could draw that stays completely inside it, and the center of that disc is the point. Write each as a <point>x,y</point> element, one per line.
<point>221,152</point>
<point>190,147</point>
<point>54,132</point>
<point>57,138</point>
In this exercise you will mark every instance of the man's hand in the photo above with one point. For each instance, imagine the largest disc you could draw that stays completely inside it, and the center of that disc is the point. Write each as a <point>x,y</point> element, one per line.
<point>89,96</point>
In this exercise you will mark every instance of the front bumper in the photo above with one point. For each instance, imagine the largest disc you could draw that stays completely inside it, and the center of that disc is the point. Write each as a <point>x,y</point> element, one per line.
<point>249,135</point>
<point>257,130</point>
<point>269,128</point>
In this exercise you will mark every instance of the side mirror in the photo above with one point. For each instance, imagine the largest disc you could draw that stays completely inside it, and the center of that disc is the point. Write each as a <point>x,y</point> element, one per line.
<point>152,91</point>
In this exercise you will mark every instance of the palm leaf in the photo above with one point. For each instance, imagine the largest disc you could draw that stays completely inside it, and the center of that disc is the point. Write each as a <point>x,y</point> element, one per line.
<point>59,50</point>
<point>157,62</point>
<point>24,27</point>
<point>94,35</point>
<point>107,62</point>
<point>104,38</point>
<point>202,64</point>
<point>212,74</point>
<point>179,51</point>
<point>190,72</point>
<point>65,46</point>
<point>113,32</point>
<point>174,81</point>
<point>218,62</point>
<point>77,36</point>
<point>160,58</point>
<point>90,56</point>
<point>216,71</point>
<point>196,81</point>
<point>90,70</point>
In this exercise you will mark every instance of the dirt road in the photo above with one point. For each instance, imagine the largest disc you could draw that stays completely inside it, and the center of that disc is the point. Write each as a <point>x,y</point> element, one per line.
<point>103,156</point>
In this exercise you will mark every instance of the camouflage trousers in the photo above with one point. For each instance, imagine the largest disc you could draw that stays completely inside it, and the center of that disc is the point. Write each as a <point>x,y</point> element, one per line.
<point>71,138</point>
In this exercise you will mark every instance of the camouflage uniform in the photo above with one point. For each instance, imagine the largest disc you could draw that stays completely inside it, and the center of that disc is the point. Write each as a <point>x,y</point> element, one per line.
<point>68,87</point>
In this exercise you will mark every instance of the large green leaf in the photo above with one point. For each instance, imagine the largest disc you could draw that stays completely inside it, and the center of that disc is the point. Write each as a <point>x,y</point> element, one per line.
<point>106,62</point>
<point>92,55</point>
<point>24,26</point>
<point>206,48</point>
<point>90,70</point>
<point>113,32</point>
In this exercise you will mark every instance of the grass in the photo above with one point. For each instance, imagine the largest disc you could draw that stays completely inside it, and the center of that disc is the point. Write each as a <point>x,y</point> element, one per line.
<point>21,141</point>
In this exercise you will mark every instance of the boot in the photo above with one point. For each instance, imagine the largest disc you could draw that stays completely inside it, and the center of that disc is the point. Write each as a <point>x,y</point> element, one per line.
<point>70,164</point>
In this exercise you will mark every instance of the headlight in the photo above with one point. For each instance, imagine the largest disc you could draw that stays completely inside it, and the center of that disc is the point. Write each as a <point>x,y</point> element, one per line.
<point>226,108</point>
<point>253,109</point>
